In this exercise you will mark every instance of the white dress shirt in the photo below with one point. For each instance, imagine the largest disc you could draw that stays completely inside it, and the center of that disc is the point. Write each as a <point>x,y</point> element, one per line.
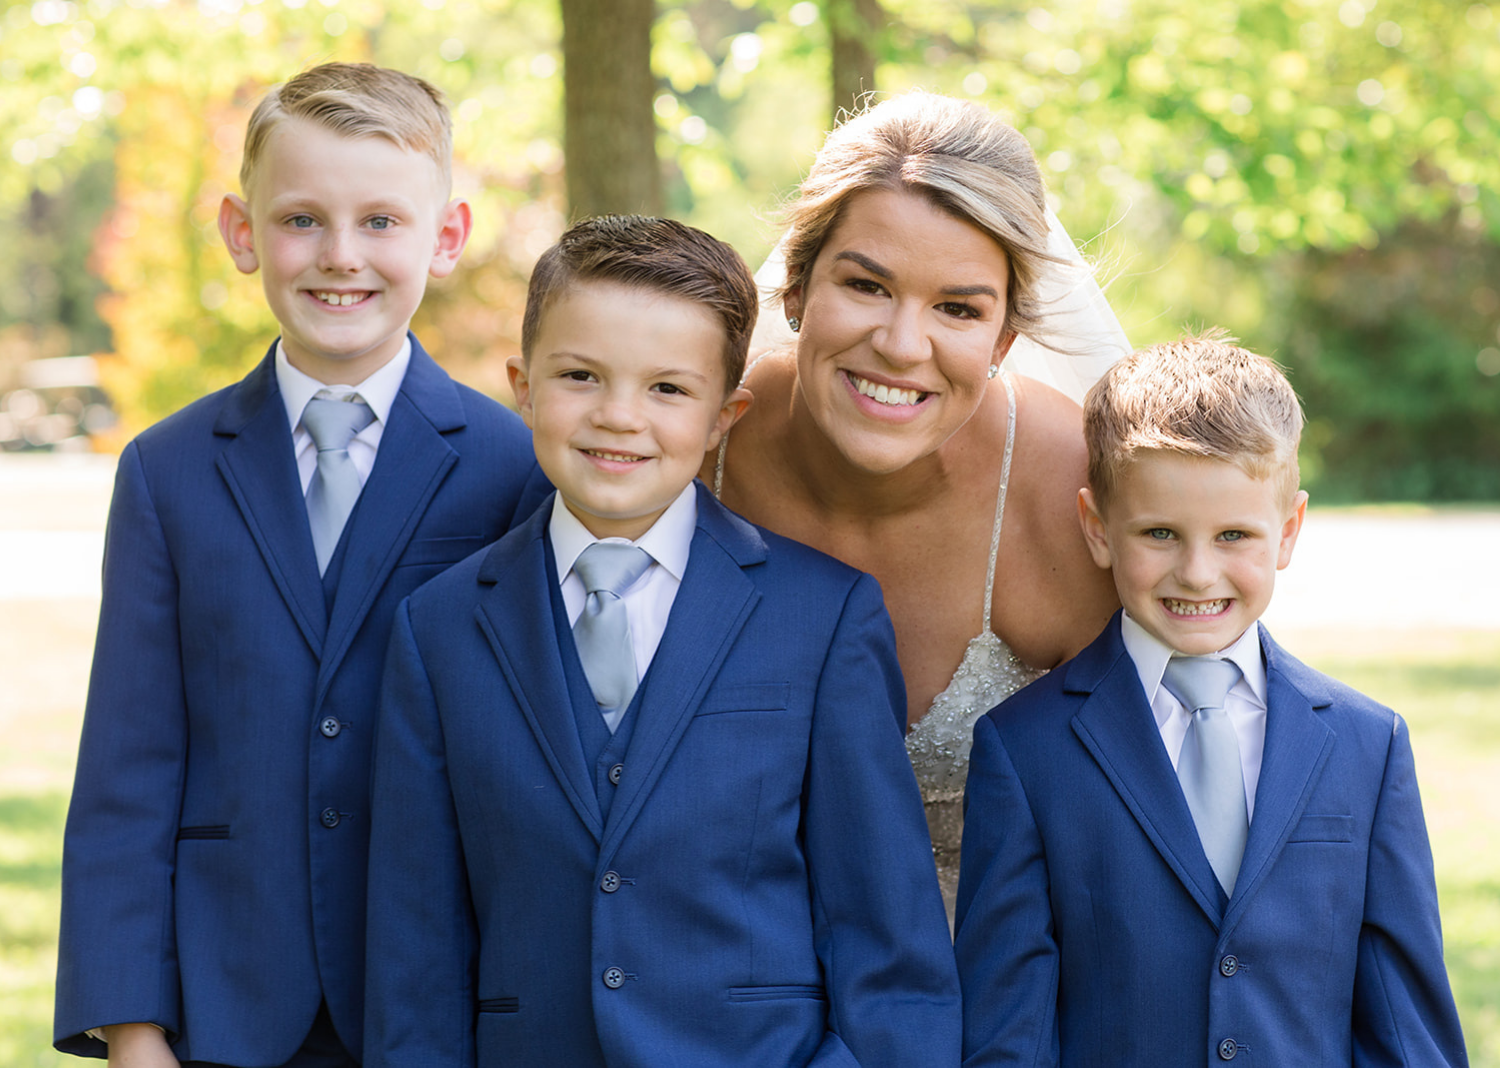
<point>648,600</point>
<point>378,391</point>
<point>1245,703</point>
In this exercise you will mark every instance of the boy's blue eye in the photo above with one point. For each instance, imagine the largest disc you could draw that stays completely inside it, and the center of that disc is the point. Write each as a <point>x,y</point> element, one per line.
<point>302,222</point>
<point>382,222</point>
<point>1159,534</point>
<point>1233,535</point>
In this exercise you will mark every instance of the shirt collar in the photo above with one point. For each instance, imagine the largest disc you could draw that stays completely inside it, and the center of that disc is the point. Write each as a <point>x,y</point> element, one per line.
<point>667,542</point>
<point>1151,655</point>
<point>378,390</point>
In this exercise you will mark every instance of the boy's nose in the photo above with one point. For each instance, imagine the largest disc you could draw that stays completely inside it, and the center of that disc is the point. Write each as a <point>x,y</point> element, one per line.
<point>617,413</point>
<point>1196,569</point>
<point>340,251</point>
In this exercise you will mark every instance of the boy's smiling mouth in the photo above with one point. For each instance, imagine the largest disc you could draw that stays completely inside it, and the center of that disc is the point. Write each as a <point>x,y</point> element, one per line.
<point>1195,608</point>
<point>614,457</point>
<point>340,300</point>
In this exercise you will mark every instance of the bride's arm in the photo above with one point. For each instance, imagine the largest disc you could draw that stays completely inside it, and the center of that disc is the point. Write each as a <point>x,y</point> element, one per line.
<point>1051,599</point>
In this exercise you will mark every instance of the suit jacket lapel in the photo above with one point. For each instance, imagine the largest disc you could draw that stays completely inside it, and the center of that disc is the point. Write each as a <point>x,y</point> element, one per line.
<point>1298,744</point>
<point>515,614</point>
<point>712,605</point>
<point>261,472</point>
<point>410,465</point>
<point>1115,724</point>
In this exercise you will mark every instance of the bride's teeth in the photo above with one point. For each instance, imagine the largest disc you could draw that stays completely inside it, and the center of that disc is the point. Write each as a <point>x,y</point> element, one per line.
<point>886,394</point>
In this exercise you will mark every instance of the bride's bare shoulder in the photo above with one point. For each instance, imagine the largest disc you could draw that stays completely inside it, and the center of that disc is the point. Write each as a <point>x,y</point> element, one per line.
<point>1052,584</point>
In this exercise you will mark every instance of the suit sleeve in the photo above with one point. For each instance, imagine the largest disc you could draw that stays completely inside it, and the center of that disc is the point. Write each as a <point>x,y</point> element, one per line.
<point>422,941</point>
<point>881,932</point>
<point>1403,1007</point>
<point>117,955</point>
<point>1007,954</point>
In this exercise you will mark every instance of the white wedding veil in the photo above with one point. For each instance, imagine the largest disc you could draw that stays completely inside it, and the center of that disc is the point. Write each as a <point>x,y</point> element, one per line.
<point>1078,319</point>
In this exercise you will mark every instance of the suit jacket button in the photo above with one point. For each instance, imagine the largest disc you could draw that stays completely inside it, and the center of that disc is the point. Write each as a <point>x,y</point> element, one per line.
<point>614,774</point>
<point>614,978</point>
<point>330,727</point>
<point>610,883</point>
<point>1227,1049</point>
<point>1229,965</point>
<point>330,817</point>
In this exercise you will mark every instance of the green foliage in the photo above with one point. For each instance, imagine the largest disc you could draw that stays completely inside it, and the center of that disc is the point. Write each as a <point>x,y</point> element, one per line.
<point>157,92</point>
<point>1255,164</point>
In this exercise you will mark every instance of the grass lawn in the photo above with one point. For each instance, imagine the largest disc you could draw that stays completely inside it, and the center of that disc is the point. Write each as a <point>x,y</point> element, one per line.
<point>1446,684</point>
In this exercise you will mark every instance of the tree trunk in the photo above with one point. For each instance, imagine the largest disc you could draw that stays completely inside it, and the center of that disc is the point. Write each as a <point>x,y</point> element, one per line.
<point>609,138</point>
<point>855,26</point>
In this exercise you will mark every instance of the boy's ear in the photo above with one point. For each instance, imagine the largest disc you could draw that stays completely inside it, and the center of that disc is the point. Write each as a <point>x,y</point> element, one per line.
<point>520,385</point>
<point>1290,529</point>
<point>734,406</point>
<point>454,226</point>
<point>1094,533</point>
<point>239,236</point>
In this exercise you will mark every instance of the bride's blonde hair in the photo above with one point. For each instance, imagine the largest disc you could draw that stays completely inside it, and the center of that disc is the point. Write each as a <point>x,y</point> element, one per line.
<point>957,155</point>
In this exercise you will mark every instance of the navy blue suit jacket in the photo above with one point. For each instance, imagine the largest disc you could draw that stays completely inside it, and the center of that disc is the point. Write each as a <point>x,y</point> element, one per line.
<point>214,864</point>
<point>763,881</point>
<point>1091,929</point>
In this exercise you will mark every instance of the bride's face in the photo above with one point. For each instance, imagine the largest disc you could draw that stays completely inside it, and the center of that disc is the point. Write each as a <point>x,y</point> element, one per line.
<point>903,313</point>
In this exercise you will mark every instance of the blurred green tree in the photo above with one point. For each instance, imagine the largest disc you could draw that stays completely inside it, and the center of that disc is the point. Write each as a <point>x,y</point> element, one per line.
<point>1267,165</point>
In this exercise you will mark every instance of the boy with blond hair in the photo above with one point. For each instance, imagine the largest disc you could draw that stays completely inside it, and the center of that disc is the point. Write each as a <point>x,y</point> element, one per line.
<point>259,541</point>
<point>1184,846</point>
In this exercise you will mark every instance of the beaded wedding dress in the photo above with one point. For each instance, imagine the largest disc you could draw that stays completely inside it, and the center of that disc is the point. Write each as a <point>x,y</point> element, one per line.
<point>939,742</point>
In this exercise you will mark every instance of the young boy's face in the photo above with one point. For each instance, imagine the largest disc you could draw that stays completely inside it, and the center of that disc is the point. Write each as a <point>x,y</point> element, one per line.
<point>1195,545</point>
<point>624,393</point>
<point>344,232</point>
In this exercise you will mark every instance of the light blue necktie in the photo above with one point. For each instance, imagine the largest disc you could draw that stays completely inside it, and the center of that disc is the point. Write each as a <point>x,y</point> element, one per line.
<point>602,631</point>
<point>1209,765</point>
<point>335,485</point>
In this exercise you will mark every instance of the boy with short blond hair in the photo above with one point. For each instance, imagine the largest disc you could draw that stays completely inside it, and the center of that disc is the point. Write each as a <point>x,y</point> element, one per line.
<point>661,815</point>
<point>1184,846</point>
<point>259,541</point>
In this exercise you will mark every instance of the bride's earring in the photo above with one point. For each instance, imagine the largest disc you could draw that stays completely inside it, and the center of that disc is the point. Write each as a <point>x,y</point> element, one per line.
<point>794,323</point>
<point>994,370</point>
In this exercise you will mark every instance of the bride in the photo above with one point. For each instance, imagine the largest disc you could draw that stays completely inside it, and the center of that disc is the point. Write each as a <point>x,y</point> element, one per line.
<point>919,259</point>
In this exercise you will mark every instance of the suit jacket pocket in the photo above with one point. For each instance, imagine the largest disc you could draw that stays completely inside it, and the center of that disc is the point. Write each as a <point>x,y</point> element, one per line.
<point>777,993</point>
<point>189,834</point>
<point>500,1005</point>
<point>1318,828</point>
<point>443,551</point>
<point>755,697</point>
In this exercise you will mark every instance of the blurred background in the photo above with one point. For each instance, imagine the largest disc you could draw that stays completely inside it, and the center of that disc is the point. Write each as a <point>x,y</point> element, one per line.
<point>1321,177</point>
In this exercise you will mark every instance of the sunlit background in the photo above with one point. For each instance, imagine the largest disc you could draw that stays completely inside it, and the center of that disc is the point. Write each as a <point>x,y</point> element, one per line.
<point>1322,177</point>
